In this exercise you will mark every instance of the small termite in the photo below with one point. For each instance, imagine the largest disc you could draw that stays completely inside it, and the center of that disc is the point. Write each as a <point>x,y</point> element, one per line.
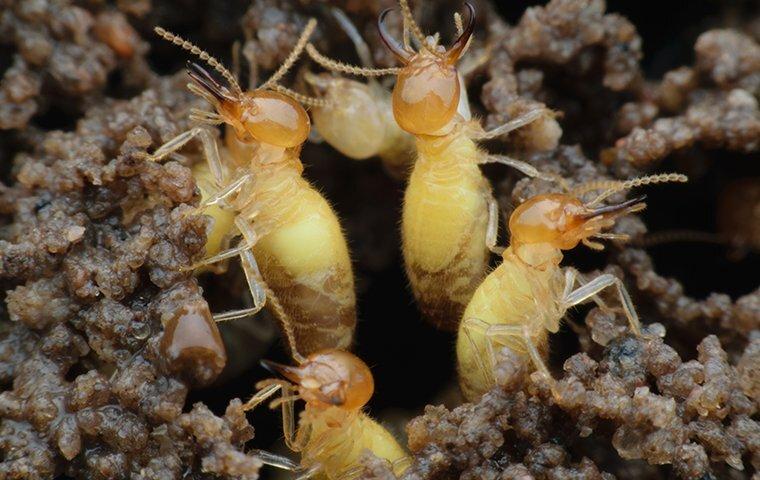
<point>256,179</point>
<point>358,119</point>
<point>450,219</point>
<point>527,296</point>
<point>333,430</point>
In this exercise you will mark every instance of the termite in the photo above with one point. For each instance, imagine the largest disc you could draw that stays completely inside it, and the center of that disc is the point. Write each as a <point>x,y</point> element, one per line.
<point>287,227</point>
<point>358,119</point>
<point>449,219</point>
<point>333,430</point>
<point>527,296</point>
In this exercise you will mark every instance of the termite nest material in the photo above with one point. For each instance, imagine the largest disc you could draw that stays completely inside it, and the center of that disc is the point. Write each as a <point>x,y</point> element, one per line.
<point>111,365</point>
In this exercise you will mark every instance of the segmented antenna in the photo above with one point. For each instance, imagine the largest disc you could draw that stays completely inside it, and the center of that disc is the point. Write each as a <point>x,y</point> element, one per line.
<point>611,186</point>
<point>341,67</point>
<point>413,26</point>
<point>202,54</point>
<point>301,98</point>
<point>293,56</point>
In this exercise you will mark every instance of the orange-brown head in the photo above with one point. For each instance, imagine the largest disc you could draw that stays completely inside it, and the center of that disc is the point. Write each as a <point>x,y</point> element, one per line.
<point>264,116</point>
<point>545,224</point>
<point>427,91</point>
<point>330,377</point>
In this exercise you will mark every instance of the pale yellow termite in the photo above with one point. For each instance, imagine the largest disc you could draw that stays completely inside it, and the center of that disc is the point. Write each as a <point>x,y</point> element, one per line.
<point>358,119</point>
<point>527,296</point>
<point>254,187</point>
<point>332,431</point>
<point>450,219</point>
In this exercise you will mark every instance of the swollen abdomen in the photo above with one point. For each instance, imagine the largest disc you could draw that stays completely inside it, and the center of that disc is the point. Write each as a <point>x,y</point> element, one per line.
<point>305,261</point>
<point>444,225</point>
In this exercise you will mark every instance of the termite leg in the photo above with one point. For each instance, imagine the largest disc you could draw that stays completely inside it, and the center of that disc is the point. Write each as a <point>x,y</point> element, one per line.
<point>526,168</point>
<point>262,395</point>
<point>492,229</point>
<point>229,253</point>
<point>225,192</point>
<point>278,461</point>
<point>210,149</point>
<point>174,144</point>
<point>573,277</point>
<point>590,289</point>
<point>519,122</point>
<point>250,267</point>
<point>496,332</point>
<point>471,325</point>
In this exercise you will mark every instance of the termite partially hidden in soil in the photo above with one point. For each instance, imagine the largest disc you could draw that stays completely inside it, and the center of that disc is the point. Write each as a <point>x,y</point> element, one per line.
<point>332,430</point>
<point>450,219</point>
<point>527,296</point>
<point>358,119</point>
<point>255,179</point>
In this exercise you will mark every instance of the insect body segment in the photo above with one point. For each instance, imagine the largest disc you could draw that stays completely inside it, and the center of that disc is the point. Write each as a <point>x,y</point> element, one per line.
<point>447,226</point>
<point>293,251</point>
<point>526,296</point>
<point>332,430</point>
<point>357,119</point>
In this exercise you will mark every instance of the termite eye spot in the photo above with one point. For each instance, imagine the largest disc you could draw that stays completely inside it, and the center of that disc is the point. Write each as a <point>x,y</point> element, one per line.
<point>426,95</point>
<point>271,117</point>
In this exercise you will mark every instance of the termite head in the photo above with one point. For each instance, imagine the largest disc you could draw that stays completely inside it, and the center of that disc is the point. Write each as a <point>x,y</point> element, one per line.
<point>264,116</point>
<point>546,224</point>
<point>330,377</point>
<point>427,92</point>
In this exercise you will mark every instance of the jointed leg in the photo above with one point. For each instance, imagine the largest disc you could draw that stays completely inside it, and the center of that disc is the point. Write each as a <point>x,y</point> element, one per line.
<point>590,289</point>
<point>525,168</point>
<point>519,122</point>
<point>492,229</point>
<point>225,192</point>
<point>175,144</point>
<point>497,334</point>
<point>224,255</point>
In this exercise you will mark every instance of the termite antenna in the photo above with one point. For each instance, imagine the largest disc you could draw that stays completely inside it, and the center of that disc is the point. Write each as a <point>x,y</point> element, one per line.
<point>202,54</point>
<point>293,56</point>
<point>336,66</point>
<point>638,182</point>
<point>300,97</point>
<point>413,26</point>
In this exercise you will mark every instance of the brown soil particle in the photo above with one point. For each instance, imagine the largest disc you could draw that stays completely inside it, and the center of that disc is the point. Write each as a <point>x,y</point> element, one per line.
<point>98,385</point>
<point>63,52</point>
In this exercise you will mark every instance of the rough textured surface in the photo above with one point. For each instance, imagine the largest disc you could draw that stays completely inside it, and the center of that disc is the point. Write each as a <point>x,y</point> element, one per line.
<point>92,263</point>
<point>94,380</point>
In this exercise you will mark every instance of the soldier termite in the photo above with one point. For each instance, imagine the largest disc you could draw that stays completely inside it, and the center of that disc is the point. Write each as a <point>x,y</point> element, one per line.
<point>287,227</point>
<point>450,218</point>
<point>527,296</point>
<point>332,430</point>
<point>358,120</point>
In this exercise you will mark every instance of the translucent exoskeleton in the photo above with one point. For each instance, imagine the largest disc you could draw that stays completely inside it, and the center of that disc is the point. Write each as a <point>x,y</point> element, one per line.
<point>358,119</point>
<point>293,252</point>
<point>450,219</point>
<point>526,297</point>
<point>332,431</point>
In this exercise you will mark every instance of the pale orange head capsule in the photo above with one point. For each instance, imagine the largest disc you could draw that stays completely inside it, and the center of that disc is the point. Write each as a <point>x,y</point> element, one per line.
<point>330,377</point>
<point>427,91</point>
<point>551,222</point>
<point>263,116</point>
